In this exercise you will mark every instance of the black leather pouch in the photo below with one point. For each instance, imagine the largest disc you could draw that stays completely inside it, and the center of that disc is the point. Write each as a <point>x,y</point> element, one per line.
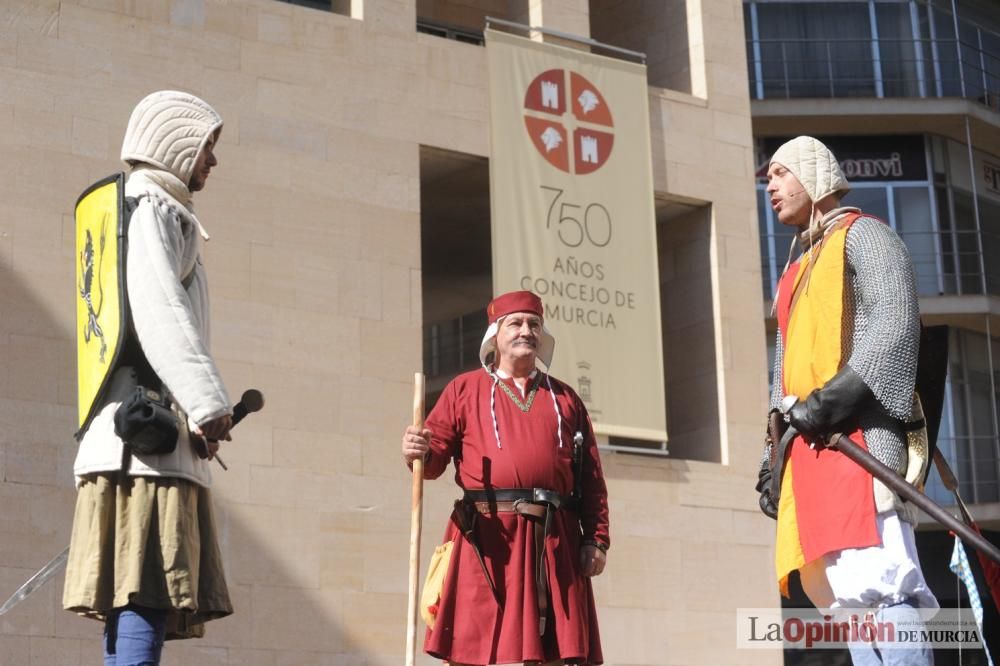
<point>146,423</point>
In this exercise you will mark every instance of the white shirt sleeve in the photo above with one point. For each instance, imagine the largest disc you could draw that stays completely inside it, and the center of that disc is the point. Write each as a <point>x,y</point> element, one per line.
<point>172,327</point>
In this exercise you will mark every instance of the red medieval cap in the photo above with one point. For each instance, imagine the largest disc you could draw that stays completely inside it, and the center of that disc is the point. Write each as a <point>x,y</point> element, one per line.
<point>514,301</point>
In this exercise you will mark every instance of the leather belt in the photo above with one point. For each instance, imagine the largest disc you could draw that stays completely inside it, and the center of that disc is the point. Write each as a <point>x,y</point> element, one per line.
<point>537,505</point>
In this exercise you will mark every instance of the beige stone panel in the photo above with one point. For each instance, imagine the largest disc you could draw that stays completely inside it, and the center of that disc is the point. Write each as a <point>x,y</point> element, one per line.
<point>696,639</point>
<point>752,528</point>
<point>295,397</point>
<point>732,128</point>
<point>635,569</point>
<point>23,91</point>
<point>194,48</point>
<point>279,278</point>
<point>232,485</point>
<point>389,236</point>
<point>395,190</point>
<point>302,138</point>
<point>571,16</point>
<point>232,18</point>
<point>398,49</point>
<point>159,12</point>
<point>17,649</point>
<point>461,64</point>
<point>140,73</point>
<point>385,568</point>
<point>380,622</point>
<point>286,618</point>
<point>181,653</point>
<point>391,16</point>
<point>638,636</point>
<point>35,615</point>
<point>228,259</point>
<point>246,657</point>
<point>38,462</point>
<point>282,63</point>
<point>271,545</point>
<point>47,650</point>
<point>48,130</point>
<point>90,25</point>
<point>372,151</point>
<point>296,102</point>
<point>314,177</point>
<point>683,118</point>
<point>31,17</point>
<point>381,503</point>
<point>381,456</point>
<point>230,93</point>
<point>325,452</point>
<point>359,290</point>
<point>274,28</point>
<point>242,330</point>
<point>33,366</point>
<point>389,352</point>
<point>396,295</point>
<point>248,188</point>
<point>7,133</point>
<point>740,254</point>
<point>304,658</point>
<point>61,57</point>
<point>335,33</point>
<point>90,138</point>
<point>298,489</point>
<point>316,341</point>
<point>732,163</point>
<point>342,553</point>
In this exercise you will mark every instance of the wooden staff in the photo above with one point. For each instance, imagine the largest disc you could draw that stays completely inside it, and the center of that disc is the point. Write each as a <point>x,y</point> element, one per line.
<point>416,515</point>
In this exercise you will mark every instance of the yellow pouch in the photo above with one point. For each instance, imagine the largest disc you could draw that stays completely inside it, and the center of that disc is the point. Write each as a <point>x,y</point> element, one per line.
<point>436,572</point>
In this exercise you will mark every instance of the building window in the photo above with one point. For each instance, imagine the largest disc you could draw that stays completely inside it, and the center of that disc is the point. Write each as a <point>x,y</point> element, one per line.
<point>352,8</point>
<point>968,435</point>
<point>871,48</point>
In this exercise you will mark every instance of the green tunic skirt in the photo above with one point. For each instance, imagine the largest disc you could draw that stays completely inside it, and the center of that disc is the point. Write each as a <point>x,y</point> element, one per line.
<point>148,541</point>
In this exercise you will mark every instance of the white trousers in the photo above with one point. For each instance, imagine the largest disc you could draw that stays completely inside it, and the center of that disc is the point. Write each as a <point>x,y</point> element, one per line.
<point>873,577</point>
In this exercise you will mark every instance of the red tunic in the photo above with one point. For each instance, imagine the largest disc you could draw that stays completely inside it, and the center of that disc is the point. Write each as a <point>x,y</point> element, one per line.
<point>470,626</point>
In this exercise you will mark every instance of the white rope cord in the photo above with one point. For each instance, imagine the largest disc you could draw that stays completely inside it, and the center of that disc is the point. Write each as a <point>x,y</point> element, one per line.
<point>493,410</point>
<point>555,406</point>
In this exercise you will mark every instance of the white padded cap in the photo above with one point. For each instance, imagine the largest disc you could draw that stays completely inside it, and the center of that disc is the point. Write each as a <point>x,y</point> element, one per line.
<point>167,130</point>
<point>814,165</point>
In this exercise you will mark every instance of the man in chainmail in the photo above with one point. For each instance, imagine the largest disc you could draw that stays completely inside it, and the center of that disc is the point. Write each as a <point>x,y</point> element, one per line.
<point>845,362</point>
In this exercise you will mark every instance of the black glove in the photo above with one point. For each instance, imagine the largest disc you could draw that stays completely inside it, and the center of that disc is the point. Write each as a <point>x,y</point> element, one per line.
<point>828,409</point>
<point>763,486</point>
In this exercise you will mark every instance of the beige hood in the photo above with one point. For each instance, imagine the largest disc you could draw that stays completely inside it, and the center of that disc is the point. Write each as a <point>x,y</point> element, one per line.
<point>168,130</point>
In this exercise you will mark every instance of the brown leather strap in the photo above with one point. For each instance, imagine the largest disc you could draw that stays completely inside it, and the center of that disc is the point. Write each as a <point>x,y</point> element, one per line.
<point>466,524</point>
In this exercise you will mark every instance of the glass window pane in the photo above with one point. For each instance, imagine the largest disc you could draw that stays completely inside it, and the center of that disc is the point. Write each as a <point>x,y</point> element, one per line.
<point>805,53</point>
<point>871,200</point>
<point>897,50</point>
<point>915,226</point>
<point>989,218</point>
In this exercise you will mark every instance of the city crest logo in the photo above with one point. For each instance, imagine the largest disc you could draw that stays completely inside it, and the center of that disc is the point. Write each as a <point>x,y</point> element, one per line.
<point>559,105</point>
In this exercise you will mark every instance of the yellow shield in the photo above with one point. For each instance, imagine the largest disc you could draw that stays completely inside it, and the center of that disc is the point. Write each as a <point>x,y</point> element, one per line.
<point>100,289</point>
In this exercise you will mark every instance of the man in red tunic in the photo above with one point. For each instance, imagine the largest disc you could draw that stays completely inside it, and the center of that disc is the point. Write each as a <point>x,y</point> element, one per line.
<point>532,526</point>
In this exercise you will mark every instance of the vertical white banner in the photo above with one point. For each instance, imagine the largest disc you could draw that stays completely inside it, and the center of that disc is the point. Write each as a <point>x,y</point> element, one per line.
<point>571,192</point>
